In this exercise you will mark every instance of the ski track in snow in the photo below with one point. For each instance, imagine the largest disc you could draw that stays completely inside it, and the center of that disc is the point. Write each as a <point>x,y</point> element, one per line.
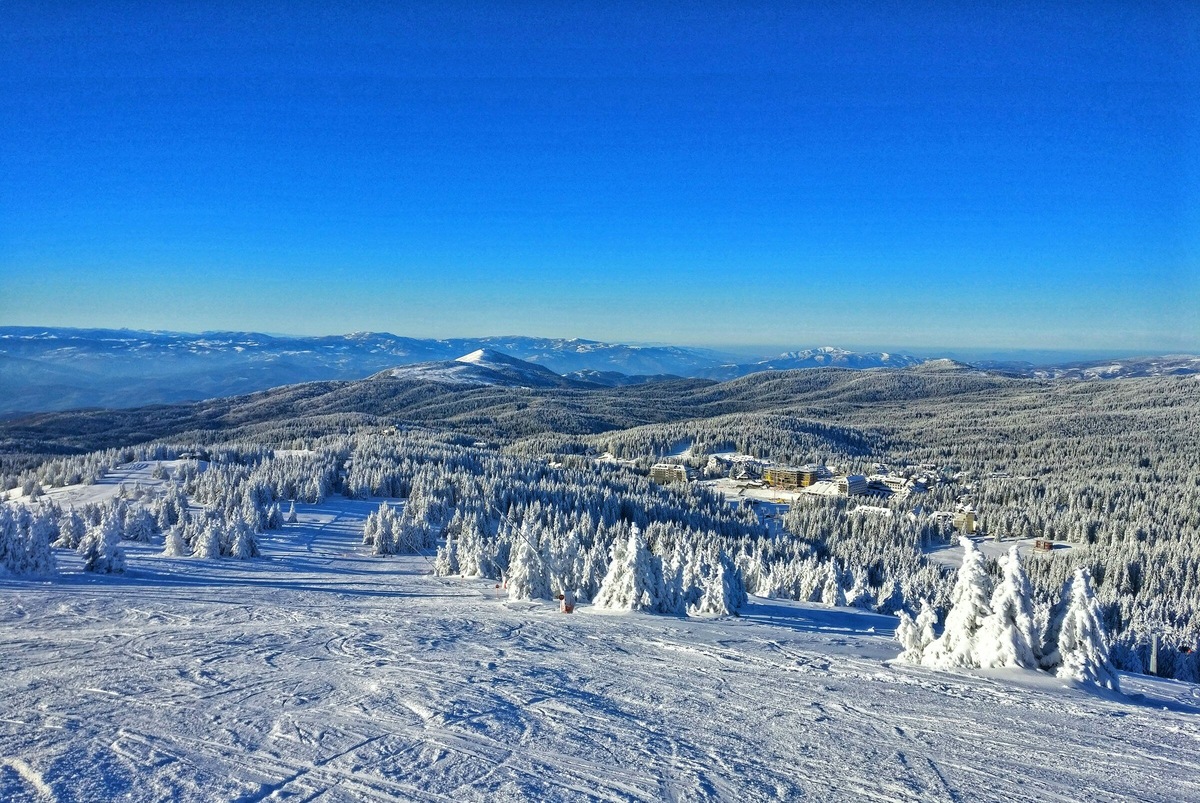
<point>323,673</point>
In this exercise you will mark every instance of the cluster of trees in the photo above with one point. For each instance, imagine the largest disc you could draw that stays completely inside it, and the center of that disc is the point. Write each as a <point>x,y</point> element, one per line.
<point>25,537</point>
<point>1001,626</point>
<point>549,531</point>
<point>214,535</point>
<point>782,438</point>
<point>29,534</point>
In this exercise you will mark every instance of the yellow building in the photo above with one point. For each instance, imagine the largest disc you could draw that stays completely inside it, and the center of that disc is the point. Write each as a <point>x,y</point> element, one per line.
<point>792,477</point>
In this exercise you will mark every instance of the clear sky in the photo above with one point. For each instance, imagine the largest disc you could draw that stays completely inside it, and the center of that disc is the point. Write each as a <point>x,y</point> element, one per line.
<point>968,174</point>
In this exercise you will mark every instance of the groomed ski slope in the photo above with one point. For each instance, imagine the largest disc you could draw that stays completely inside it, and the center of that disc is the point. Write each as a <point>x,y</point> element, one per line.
<point>322,673</point>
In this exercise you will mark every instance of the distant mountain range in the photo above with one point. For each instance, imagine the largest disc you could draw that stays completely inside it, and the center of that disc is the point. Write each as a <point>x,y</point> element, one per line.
<point>1168,365</point>
<point>43,369</point>
<point>824,357</point>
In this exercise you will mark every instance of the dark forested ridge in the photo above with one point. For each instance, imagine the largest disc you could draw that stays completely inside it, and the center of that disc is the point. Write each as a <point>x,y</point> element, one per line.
<point>488,412</point>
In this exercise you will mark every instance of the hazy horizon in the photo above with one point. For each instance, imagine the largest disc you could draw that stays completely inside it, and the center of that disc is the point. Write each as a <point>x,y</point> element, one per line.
<point>747,352</point>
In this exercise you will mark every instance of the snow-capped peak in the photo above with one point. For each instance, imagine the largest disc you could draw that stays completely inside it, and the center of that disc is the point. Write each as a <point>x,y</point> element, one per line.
<point>478,356</point>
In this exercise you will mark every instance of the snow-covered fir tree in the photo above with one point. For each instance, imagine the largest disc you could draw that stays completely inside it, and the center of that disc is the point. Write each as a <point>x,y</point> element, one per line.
<point>173,544</point>
<point>1008,636</point>
<point>634,579</point>
<point>206,544</point>
<point>527,577</point>
<point>969,606</point>
<point>1082,645</point>
<point>101,547</point>
<point>722,590</point>
<point>916,636</point>
<point>243,539</point>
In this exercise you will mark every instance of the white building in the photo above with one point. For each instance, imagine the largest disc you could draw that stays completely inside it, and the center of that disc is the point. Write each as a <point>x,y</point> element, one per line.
<point>852,485</point>
<point>667,473</point>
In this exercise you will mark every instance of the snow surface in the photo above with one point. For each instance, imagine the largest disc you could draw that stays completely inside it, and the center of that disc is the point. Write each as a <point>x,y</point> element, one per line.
<point>323,673</point>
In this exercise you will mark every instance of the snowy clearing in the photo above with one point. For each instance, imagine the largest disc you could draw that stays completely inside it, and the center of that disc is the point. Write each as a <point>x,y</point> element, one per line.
<point>322,673</point>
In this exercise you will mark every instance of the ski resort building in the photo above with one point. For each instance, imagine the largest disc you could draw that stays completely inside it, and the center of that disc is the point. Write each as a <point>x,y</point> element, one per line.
<point>964,522</point>
<point>794,477</point>
<point>667,473</point>
<point>852,485</point>
<point>892,482</point>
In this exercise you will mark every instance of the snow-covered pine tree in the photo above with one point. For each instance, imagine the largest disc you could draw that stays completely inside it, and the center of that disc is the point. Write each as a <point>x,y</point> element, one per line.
<point>1007,636</point>
<point>101,547</point>
<point>244,540</point>
<point>832,592</point>
<point>860,595</point>
<point>1082,644</point>
<point>674,599</point>
<point>969,605</point>
<point>906,634</point>
<point>139,525</point>
<point>633,581</point>
<point>173,544</point>
<point>71,530</point>
<point>526,577</point>
<point>916,636</point>
<point>723,590</point>
<point>291,514</point>
<point>445,564</point>
<point>207,543</point>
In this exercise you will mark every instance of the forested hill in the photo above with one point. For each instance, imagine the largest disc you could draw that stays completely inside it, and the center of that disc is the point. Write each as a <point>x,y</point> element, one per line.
<point>505,414</point>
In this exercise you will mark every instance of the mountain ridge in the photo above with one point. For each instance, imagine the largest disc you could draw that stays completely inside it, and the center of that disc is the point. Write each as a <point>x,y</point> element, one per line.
<point>44,369</point>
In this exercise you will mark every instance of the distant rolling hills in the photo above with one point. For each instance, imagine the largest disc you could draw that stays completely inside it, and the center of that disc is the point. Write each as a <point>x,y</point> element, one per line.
<point>47,369</point>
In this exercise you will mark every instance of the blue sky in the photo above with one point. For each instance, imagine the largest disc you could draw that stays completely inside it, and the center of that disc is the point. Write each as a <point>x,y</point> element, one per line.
<point>910,174</point>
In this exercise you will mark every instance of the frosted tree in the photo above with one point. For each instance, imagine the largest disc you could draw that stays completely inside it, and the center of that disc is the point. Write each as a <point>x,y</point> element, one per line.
<point>470,548</point>
<point>71,530</point>
<point>860,595</point>
<point>101,547</point>
<point>892,601</point>
<point>207,544</point>
<point>969,605</point>
<point>1007,636</point>
<point>291,514</point>
<point>832,592</point>
<point>723,590</point>
<point>445,564</point>
<point>244,540</point>
<point>1082,644</point>
<point>633,581</point>
<point>675,600</point>
<point>173,544</point>
<point>139,525</point>
<point>526,577</point>
<point>916,636</point>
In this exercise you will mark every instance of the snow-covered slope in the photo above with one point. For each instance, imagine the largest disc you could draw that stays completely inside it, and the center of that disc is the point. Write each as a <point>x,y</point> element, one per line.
<point>320,672</point>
